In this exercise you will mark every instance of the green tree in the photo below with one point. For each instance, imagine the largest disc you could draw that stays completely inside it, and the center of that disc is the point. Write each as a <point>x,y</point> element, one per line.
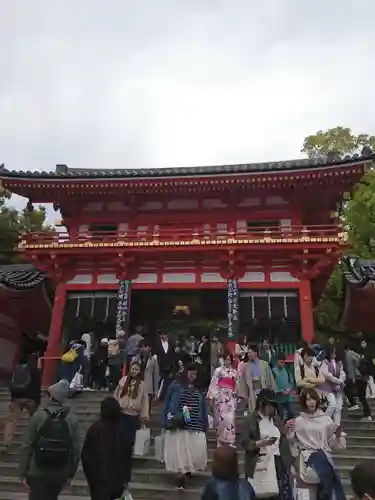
<point>13,224</point>
<point>358,214</point>
<point>340,140</point>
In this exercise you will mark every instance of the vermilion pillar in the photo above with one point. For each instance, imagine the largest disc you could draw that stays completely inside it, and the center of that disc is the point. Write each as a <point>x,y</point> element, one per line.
<point>53,351</point>
<point>306,311</point>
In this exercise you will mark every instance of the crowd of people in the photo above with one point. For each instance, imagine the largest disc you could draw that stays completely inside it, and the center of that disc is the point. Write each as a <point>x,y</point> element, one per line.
<point>197,390</point>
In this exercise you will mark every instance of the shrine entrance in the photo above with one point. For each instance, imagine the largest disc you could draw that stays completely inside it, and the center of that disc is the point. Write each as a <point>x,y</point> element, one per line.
<point>272,315</point>
<point>181,313</point>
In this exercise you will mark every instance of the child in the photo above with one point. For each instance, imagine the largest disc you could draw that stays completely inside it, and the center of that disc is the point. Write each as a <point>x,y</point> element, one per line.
<point>284,386</point>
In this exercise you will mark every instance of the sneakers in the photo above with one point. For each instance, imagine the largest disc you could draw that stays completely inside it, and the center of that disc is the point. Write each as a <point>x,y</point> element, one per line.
<point>181,482</point>
<point>353,408</point>
<point>366,419</point>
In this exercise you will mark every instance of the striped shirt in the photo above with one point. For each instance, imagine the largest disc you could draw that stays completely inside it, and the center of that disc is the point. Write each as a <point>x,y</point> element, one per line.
<point>191,399</point>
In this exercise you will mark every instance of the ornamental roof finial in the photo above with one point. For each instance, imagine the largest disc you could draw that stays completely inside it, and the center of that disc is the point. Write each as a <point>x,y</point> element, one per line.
<point>62,169</point>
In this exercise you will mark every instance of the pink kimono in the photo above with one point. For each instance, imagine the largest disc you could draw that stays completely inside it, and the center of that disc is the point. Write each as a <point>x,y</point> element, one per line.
<point>222,392</point>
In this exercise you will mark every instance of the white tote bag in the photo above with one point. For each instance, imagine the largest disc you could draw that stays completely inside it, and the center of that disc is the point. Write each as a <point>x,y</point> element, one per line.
<point>77,382</point>
<point>142,442</point>
<point>307,473</point>
<point>264,482</point>
<point>126,495</point>
<point>159,443</point>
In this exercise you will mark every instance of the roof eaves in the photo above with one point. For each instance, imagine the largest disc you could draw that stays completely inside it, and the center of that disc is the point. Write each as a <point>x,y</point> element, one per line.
<point>64,172</point>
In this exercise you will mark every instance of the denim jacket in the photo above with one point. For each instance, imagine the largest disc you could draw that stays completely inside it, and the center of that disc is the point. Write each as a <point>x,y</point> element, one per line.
<point>172,404</point>
<point>219,489</point>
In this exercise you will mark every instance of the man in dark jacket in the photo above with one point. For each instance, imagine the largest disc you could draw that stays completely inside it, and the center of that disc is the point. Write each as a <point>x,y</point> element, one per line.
<point>24,397</point>
<point>167,361</point>
<point>106,454</point>
<point>45,476</point>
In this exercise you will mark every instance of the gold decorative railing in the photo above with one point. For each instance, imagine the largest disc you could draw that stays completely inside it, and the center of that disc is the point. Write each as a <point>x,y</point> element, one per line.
<point>186,237</point>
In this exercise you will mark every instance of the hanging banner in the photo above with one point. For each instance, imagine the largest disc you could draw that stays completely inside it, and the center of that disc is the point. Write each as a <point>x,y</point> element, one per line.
<point>123,305</point>
<point>233,313</point>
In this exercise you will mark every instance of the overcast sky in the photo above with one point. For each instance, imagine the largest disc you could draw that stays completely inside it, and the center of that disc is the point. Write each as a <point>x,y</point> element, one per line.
<point>158,83</point>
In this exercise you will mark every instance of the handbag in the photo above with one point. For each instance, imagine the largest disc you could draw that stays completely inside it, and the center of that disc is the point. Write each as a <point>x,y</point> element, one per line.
<point>264,481</point>
<point>159,444</point>
<point>70,356</point>
<point>307,473</point>
<point>126,495</point>
<point>77,382</point>
<point>175,422</point>
<point>142,442</point>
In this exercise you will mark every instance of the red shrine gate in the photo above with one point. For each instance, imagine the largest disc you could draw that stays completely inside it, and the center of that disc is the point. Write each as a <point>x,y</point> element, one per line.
<point>244,229</point>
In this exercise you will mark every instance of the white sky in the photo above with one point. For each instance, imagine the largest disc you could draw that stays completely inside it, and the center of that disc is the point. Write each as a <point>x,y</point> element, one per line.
<point>158,83</point>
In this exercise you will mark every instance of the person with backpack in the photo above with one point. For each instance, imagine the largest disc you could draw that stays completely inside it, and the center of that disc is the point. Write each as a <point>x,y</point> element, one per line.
<point>51,447</point>
<point>306,372</point>
<point>25,394</point>
<point>333,388</point>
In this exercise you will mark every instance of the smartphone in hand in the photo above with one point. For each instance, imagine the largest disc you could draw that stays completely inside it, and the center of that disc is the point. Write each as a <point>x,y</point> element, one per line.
<point>272,440</point>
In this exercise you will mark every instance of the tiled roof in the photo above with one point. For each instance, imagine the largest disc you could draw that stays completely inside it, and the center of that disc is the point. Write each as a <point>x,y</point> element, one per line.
<point>63,171</point>
<point>20,276</point>
<point>358,271</point>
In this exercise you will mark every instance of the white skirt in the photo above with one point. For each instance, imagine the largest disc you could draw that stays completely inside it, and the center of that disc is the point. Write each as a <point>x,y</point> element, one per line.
<point>185,451</point>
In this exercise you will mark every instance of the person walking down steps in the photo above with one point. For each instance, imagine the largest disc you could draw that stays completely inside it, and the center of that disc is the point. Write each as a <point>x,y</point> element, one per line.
<point>25,394</point>
<point>50,449</point>
<point>105,454</point>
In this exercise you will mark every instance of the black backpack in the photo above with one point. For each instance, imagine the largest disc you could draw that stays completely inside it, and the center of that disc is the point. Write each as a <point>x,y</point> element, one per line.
<point>54,445</point>
<point>21,379</point>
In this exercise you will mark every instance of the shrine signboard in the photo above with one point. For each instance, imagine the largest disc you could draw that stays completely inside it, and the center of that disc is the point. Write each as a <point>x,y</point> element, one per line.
<point>123,305</point>
<point>233,311</point>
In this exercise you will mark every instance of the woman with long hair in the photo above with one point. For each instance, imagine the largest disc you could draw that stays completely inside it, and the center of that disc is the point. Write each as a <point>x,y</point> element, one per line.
<point>314,436</point>
<point>222,396</point>
<point>225,483</point>
<point>186,424</point>
<point>132,397</point>
<point>107,454</point>
<point>264,434</point>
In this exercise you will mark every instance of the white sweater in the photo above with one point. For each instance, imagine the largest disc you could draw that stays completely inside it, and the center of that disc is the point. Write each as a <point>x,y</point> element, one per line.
<point>316,431</point>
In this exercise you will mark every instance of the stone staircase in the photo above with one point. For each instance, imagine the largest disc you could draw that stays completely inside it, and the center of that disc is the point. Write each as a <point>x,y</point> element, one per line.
<point>149,478</point>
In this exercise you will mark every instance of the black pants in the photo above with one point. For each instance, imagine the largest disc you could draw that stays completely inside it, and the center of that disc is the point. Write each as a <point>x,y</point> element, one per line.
<point>104,493</point>
<point>98,376</point>
<point>44,489</point>
<point>130,426</point>
<point>114,376</point>
<point>358,388</point>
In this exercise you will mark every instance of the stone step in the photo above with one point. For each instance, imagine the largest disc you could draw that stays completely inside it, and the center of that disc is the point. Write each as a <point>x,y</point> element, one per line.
<point>9,462</point>
<point>355,445</point>
<point>11,489</point>
<point>140,491</point>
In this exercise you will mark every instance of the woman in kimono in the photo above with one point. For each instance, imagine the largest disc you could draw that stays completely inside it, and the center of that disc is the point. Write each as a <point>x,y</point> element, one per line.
<point>222,394</point>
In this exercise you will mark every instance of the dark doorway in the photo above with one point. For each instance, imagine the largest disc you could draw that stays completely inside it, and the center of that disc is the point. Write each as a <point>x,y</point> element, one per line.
<point>180,312</point>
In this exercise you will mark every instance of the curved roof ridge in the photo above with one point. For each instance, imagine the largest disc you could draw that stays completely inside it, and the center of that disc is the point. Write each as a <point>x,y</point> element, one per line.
<point>64,172</point>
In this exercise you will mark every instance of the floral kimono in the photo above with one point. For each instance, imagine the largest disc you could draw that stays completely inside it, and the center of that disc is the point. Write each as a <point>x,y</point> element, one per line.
<point>222,392</point>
